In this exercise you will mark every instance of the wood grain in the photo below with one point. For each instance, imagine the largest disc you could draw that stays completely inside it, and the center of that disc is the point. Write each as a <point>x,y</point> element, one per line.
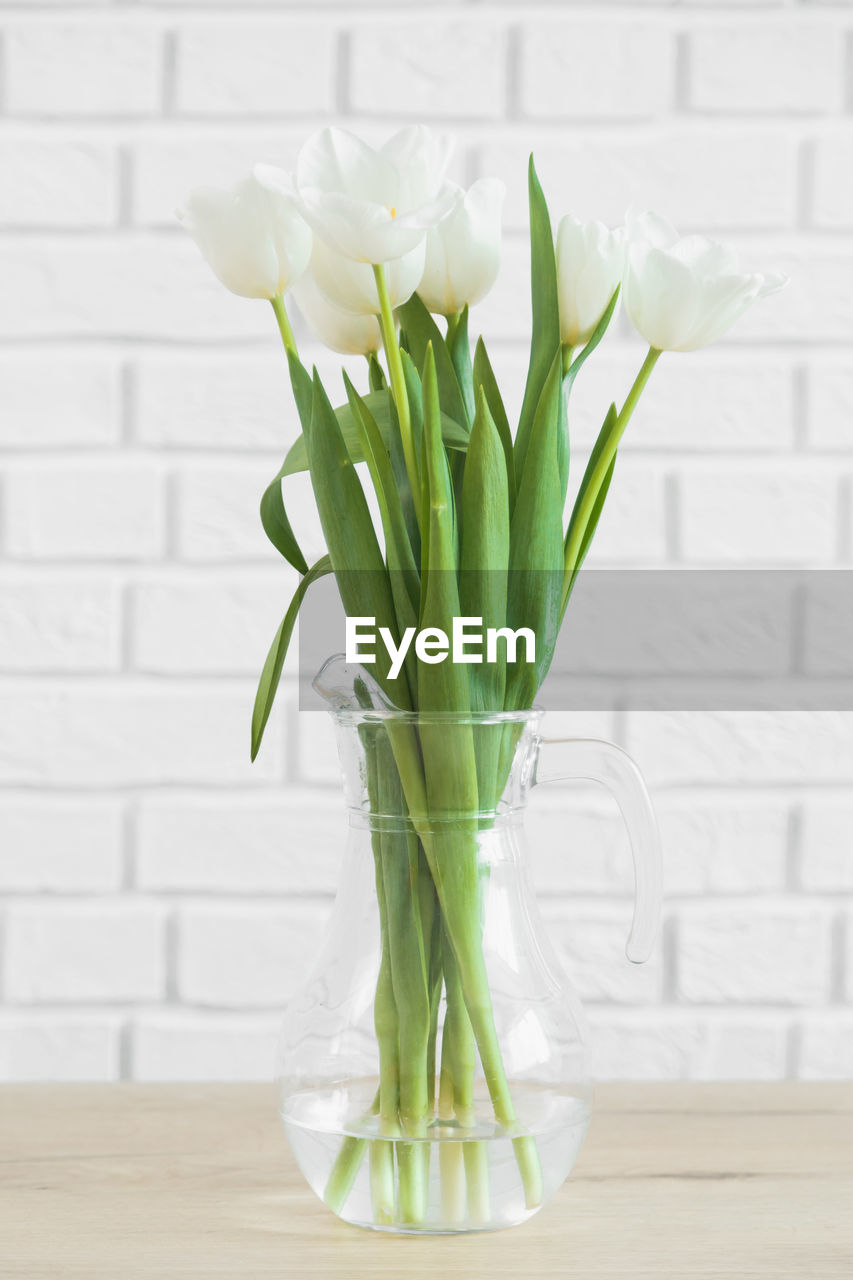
<point>116,1182</point>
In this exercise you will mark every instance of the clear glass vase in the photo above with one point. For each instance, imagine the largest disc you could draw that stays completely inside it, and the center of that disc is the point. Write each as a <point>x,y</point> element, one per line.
<point>433,1069</point>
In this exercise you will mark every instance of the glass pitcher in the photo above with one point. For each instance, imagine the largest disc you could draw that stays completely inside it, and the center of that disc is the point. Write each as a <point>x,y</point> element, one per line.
<point>433,1070</point>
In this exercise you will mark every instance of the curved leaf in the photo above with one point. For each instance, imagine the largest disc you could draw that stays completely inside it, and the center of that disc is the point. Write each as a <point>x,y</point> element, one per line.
<point>277,526</point>
<point>589,531</point>
<point>596,336</point>
<point>273,515</point>
<point>587,534</point>
<point>271,674</point>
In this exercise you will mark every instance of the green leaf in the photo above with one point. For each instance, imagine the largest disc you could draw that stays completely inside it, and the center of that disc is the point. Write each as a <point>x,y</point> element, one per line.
<point>376,374</point>
<point>277,526</point>
<point>444,685</point>
<point>381,408</point>
<point>402,568</point>
<point>589,531</point>
<point>595,337</point>
<point>460,355</point>
<point>271,674</point>
<point>421,330</point>
<point>273,515</point>
<point>348,528</point>
<point>484,549</point>
<point>608,427</point>
<point>398,458</point>
<point>484,377</point>
<point>536,545</point>
<point>545,332</point>
<point>452,436</point>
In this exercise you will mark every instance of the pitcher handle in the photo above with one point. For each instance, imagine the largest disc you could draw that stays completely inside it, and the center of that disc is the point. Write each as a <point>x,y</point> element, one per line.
<point>592,759</point>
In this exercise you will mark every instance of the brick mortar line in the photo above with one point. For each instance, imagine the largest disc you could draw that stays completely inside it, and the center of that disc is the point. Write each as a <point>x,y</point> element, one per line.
<point>750,796</point>
<point>292,121</point>
<point>677,906</point>
<point>263,1013</point>
<point>702,16</point>
<point>21,457</point>
<point>108,129</point>
<point>784,785</point>
<point>22,461</point>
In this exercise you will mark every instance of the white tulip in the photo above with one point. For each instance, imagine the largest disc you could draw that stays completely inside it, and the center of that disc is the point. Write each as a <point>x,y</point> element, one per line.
<point>342,331</point>
<point>252,235</point>
<point>351,286</point>
<point>463,250</point>
<point>683,293</point>
<point>590,261</point>
<point>374,206</point>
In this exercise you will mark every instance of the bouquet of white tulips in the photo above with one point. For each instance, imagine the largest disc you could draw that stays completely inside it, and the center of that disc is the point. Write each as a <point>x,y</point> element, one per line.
<point>372,245</point>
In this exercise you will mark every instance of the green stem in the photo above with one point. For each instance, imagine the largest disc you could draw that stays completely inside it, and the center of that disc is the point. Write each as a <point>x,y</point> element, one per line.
<point>452,325</point>
<point>406,904</point>
<point>398,384</point>
<point>381,1163</point>
<point>346,1166</point>
<point>602,465</point>
<point>283,323</point>
<point>451,852</point>
<point>450,1157</point>
<point>385,1021</point>
<point>476,1157</point>
<point>458,1040</point>
<point>566,357</point>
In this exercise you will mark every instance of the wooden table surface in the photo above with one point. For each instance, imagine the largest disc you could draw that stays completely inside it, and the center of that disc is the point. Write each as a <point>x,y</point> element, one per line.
<point>115,1182</point>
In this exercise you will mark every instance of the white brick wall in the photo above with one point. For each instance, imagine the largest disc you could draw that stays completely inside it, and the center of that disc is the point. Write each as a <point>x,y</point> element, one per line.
<point>158,894</point>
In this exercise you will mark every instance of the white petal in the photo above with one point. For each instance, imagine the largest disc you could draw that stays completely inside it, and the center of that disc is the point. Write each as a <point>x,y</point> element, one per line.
<point>434,285</point>
<point>651,228</point>
<point>686,293</point>
<point>463,251</point>
<point>373,206</point>
<point>590,260</point>
<point>335,160</point>
<point>704,256</point>
<point>341,331</point>
<point>421,158</point>
<point>275,179</point>
<point>724,301</point>
<point>403,275</point>
<point>484,201</point>
<point>351,286</point>
<point>432,212</point>
<point>234,233</point>
<point>661,297</point>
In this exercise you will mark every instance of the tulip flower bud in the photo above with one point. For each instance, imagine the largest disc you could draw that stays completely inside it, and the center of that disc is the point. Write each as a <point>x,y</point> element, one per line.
<point>684,293</point>
<point>252,236</point>
<point>351,286</point>
<point>590,259</point>
<point>374,206</point>
<point>463,250</point>
<point>342,331</point>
